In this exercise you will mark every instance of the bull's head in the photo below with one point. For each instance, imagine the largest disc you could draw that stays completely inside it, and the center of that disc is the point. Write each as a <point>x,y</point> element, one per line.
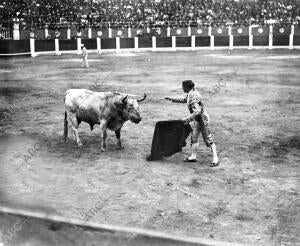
<point>131,108</point>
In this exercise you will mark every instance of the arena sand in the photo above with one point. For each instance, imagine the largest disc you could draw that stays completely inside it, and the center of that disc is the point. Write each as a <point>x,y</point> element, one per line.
<point>251,198</point>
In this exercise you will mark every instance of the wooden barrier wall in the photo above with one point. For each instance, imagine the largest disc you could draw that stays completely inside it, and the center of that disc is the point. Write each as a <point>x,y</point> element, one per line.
<point>14,46</point>
<point>21,227</point>
<point>35,46</point>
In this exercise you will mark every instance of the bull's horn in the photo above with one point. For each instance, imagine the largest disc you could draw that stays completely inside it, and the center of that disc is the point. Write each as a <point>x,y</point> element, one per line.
<point>124,100</point>
<point>132,95</point>
<point>142,99</point>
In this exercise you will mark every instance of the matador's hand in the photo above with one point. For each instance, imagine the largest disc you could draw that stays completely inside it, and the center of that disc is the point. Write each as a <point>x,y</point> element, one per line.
<point>185,120</point>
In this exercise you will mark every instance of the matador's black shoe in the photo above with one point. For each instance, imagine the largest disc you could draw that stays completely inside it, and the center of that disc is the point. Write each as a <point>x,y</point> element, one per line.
<point>214,164</point>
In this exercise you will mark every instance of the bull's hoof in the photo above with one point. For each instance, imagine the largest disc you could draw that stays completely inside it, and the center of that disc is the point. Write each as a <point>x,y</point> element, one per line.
<point>103,149</point>
<point>120,147</point>
<point>80,144</point>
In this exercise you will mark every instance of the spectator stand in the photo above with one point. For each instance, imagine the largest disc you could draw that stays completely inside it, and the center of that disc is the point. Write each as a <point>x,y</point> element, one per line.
<point>151,24</point>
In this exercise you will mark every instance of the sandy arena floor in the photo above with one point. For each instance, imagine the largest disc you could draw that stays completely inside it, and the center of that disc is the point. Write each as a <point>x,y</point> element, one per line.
<point>251,198</point>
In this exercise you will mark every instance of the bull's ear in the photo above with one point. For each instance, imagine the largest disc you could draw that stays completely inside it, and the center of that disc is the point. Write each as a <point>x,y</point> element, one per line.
<point>124,100</point>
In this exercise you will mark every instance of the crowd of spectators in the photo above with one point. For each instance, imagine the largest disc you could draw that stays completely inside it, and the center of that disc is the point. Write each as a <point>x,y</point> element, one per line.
<point>61,13</point>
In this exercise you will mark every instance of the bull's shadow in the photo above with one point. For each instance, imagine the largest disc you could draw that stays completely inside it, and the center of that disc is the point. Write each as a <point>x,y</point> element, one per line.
<point>90,150</point>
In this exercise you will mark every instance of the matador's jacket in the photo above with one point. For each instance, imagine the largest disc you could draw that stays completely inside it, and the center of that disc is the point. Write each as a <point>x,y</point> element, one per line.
<point>198,114</point>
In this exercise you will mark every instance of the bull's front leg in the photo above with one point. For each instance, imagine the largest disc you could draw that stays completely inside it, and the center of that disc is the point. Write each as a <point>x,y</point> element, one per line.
<point>103,127</point>
<point>118,136</point>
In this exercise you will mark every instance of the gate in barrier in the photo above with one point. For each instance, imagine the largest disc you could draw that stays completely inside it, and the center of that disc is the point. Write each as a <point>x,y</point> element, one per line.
<point>240,35</point>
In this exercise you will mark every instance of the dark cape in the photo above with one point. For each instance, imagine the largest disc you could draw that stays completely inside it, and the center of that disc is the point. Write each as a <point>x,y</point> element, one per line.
<point>168,138</point>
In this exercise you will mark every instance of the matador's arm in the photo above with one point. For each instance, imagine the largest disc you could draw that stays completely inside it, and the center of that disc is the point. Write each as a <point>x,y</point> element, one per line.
<point>177,99</point>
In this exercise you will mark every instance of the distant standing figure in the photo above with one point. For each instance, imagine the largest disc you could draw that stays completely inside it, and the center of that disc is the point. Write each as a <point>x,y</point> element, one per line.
<point>200,118</point>
<point>84,56</point>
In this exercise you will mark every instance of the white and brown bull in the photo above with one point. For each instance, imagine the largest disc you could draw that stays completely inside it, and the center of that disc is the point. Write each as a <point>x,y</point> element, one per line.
<point>110,110</point>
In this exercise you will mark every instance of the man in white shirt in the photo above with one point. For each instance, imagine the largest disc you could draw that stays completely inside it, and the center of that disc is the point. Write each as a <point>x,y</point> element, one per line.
<point>84,56</point>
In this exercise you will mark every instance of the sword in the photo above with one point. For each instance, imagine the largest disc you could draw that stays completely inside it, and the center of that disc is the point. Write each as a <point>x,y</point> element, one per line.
<point>185,192</point>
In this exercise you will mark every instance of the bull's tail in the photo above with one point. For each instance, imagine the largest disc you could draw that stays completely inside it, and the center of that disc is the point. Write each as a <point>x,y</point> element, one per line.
<point>65,127</point>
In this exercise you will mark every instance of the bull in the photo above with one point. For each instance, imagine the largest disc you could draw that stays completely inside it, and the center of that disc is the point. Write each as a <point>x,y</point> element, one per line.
<point>110,110</point>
